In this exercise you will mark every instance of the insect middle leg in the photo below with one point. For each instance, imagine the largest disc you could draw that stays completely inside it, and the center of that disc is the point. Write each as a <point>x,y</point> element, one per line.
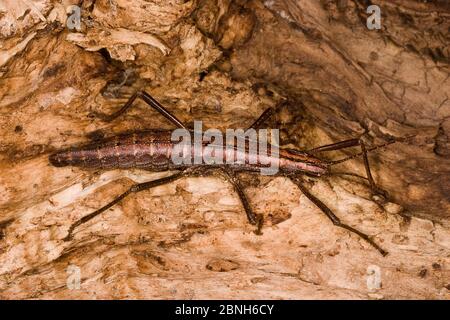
<point>268,113</point>
<point>231,176</point>
<point>254,219</point>
<point>334,219</point>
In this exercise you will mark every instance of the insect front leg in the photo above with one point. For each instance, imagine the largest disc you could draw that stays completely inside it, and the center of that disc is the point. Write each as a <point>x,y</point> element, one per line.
<point>373,186</point>
<point>352,143</point>
<point>152,102</point>
<point>334,219</point>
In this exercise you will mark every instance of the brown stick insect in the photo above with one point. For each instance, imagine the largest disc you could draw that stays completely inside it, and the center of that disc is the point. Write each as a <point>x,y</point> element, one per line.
<point>152,150</point>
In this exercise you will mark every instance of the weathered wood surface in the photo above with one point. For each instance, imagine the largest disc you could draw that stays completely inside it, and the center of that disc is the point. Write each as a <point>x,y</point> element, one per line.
<point>225,62</point>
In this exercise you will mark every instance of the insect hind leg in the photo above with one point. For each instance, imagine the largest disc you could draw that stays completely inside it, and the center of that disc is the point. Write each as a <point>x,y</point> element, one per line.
<point>152,102</point>
<point>133,189</point>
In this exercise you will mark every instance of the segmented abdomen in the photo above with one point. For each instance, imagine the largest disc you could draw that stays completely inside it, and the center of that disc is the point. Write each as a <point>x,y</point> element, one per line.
<point>137,150</point>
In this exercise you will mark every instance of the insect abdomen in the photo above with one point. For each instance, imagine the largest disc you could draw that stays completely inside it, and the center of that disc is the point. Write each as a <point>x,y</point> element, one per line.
<point>128,151</point>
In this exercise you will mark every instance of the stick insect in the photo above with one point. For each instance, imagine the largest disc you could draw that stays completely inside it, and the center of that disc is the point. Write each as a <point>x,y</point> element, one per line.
<point>151,150</point>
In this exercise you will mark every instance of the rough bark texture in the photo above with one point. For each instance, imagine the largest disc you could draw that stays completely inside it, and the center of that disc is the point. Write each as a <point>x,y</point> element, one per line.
<point>225,62</point>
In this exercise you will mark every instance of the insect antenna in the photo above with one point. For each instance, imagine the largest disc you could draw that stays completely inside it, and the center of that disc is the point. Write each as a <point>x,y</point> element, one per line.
<point>332,163</point>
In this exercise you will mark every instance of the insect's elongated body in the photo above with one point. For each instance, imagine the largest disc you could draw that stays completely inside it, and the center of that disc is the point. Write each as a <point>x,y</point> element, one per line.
<point>153,150</point>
